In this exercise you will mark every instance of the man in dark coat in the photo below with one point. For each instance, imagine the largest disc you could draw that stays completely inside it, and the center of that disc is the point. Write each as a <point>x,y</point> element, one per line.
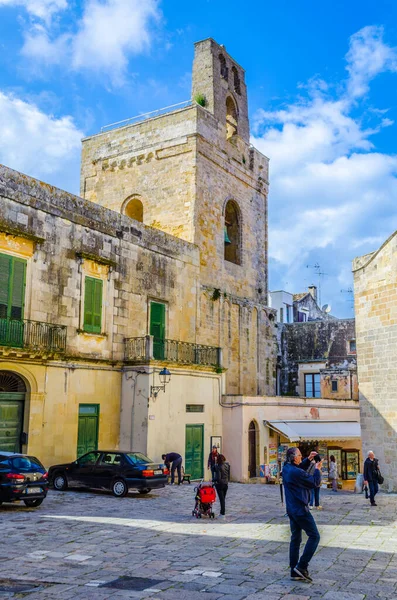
<point>176,460</point>
<point>212,461</point>
<point>297,485</point>
<point>371,476</point>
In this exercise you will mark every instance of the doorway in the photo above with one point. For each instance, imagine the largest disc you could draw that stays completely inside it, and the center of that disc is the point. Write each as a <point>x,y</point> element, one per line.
<point>194,451</point>
<point>12,404</point>
<point>87,435</point>
<point>252,447</point>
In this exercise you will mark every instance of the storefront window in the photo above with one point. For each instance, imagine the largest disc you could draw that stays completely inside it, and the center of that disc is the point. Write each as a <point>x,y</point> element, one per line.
<point>351,464</point>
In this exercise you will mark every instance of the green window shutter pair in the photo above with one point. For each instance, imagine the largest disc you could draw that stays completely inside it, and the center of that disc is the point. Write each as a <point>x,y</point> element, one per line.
<point>93,305</point>
<point>12,287</point>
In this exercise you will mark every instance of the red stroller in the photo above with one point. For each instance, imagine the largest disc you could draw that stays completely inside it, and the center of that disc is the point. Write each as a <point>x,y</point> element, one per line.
<point>205,498</point>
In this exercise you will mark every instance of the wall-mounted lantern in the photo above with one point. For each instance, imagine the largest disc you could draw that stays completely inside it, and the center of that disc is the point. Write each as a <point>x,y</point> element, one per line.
<point>165,377</point>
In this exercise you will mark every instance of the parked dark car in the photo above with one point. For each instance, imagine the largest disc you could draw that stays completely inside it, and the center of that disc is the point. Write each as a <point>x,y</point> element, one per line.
<point>23,478</point>
<point>110,470</point>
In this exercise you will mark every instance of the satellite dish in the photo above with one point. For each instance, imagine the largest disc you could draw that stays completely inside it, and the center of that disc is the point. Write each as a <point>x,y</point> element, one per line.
<point>326,308</point>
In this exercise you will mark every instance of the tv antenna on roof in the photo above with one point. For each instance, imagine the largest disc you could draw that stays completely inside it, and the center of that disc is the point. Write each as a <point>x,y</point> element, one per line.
<point>350,297</point>
<point>320,273</point>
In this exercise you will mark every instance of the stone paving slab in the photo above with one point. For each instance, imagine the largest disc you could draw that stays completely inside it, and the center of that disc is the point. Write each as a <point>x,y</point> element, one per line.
<point>77,540</point>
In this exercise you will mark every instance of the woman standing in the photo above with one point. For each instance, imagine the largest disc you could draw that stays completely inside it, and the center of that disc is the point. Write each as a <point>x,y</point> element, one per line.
<point>333,473</point>
<point>221,482</point>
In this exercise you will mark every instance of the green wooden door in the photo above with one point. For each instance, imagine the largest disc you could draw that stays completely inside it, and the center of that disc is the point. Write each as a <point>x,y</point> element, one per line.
<point>87,436</point>
<point>157,328</point>
<point>194,451</point>
<point>11,420</point>
<point>12,299</point>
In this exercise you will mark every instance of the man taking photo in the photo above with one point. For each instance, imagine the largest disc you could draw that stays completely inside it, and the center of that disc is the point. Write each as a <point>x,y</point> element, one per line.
<point>298,484</point>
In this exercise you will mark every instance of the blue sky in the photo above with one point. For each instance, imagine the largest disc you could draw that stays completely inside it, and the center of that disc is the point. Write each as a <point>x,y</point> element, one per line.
<point>322,84</point>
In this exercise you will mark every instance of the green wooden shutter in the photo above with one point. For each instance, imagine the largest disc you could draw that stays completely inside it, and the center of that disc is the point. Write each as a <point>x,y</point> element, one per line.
<point>93,305</point>
<point>5,268</point>
<point>157,328</point>
<point>18,288</point>
<point>97,306</point>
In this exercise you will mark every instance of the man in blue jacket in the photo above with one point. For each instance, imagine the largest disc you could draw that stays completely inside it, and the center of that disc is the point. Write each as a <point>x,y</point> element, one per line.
<point>297,485</point>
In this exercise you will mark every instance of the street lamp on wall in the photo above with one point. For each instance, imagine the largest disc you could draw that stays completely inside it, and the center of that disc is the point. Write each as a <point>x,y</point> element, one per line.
<point>165,377</point>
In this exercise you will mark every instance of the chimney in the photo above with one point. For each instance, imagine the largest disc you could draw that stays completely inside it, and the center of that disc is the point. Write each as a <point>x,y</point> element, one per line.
<point>313,292</point>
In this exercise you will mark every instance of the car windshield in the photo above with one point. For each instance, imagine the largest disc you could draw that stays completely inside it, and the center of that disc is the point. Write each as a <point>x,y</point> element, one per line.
<point>138,457</point>
<point>26,464</point>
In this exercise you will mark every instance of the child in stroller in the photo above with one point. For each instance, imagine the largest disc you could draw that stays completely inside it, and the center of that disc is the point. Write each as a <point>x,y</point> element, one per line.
<point>205,498</point>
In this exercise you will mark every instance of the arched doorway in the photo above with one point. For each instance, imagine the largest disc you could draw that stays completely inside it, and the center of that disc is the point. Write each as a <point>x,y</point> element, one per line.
<point>12,403</point>
<point>252,445</point>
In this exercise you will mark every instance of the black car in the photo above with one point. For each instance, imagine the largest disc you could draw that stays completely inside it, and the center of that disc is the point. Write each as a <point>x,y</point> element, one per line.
<point>110,470</point>
<point>23,478</point>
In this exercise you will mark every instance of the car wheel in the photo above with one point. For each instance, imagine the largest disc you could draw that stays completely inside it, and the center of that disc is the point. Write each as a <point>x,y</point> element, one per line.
<point>119,488</point>
<point>33,503</point>
<point>144,491</point>
<point>60,482</point>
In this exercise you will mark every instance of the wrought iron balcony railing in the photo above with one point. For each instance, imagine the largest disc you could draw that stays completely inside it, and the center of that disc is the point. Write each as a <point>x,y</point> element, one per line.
<point>149,348</point>
<point>33,335</point>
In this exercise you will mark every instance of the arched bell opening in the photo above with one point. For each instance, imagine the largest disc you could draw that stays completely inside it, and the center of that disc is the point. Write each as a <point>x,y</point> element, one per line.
<point>232,233</point>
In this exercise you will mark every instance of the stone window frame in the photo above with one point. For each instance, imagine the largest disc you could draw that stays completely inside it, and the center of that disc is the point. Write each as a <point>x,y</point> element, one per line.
<point>25,249</point>
<point>228,120</point>
<point>236,80</point>
<point>349,346</point>
<point>95,270</point>
<point>241,227</point>
<point>312,375</point>
<point>224,71</point>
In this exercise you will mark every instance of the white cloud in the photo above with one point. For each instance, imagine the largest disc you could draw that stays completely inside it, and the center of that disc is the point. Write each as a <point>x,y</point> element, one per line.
<point>109,32</point>
<point>42,9</point>
<point>103,40</point>
<point>38,144</point>
<point>367,57</point>
<point>332,194</point>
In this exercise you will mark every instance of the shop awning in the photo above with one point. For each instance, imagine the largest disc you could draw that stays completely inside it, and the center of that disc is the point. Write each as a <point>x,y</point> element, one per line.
<point>299,431</point>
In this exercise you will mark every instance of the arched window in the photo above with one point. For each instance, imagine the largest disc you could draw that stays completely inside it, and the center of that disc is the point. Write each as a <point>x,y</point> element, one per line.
<point>224,70</point>
<point>231,118</point>
<point>236,81</point>
<point>133,208</point>
<point>232,234</point>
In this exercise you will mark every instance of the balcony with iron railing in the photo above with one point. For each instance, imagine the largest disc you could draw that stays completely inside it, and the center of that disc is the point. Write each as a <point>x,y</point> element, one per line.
<point>33,336</point>
<point>148,348</point>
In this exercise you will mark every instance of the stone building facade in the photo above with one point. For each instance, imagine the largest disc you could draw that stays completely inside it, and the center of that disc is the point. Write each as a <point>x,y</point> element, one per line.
<point>375,295</point>
<point>163,263</point>
<point>193,173</point>
<point>63,366</point>
<point>326,349</point>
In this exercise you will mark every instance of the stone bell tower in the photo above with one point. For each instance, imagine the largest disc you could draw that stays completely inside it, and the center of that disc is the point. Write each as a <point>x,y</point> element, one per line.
<point>221,81</point>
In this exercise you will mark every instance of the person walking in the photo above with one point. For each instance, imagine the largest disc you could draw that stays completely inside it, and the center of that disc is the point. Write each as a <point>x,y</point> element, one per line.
<point>297,485</point>
<point>333,473</point>
<point>222,470</point>
<point>371,474</point>
<point>315,499</point>
<point>176,460</point>
<point>212,460</point>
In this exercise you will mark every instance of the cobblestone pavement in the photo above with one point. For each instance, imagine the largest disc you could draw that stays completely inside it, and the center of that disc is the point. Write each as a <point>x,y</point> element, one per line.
<point>80,545</point>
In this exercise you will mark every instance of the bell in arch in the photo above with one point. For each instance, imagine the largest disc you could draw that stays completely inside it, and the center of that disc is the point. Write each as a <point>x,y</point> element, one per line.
<point>227,240</point>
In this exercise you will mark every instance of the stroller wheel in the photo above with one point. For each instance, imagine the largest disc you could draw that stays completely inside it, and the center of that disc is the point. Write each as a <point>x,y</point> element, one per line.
<point>213,515</point>
<point>199,515</point>
<point>192,513</point>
